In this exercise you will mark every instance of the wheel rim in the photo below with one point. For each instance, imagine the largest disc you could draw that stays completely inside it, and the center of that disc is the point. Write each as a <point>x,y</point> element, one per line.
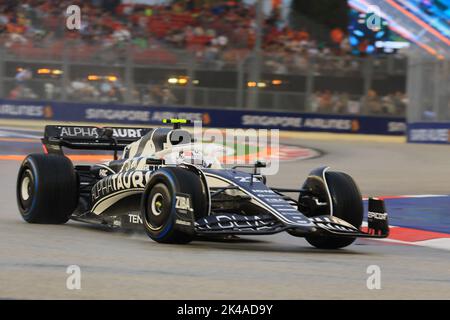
<point>158,208</point>
<point>157,205</point>
<point>26,189</point>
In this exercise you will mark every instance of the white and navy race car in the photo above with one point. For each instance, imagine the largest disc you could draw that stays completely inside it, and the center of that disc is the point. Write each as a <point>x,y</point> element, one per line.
<point>161,183</point>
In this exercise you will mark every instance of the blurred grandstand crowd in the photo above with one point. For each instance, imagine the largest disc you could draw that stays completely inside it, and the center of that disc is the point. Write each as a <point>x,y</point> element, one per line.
<point>339,102</point>
<point>222,30</point>
<point>216,34</point>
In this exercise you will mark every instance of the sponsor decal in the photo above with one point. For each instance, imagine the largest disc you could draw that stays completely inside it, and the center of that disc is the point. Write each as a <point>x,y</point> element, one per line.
<point>102,173</point>
<point>271,121</point>
<point>355,125</point>
<point>122,181</point>
<point>183,203</point>
<point>117,114</point>
<point>184,211</point>
<point>92,132</point>
<point>429,132</point>
<point>377,215</point>
<point>236,222</point>
<point>48,112</point>
<point>206,118</point>
<point>396,126</point>
<point>429,135</point>
<point>134,219</point>
<point>321,123</point>
<point>299,122</point>
<point>34,111</point>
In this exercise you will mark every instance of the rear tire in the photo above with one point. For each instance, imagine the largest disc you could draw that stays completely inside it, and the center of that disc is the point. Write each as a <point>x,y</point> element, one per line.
<point>47,189</point>
<point>347,205</point>
<point>158,204</point>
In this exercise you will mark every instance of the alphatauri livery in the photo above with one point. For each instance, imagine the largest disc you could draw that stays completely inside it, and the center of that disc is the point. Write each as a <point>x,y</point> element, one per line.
<point>164,183</point>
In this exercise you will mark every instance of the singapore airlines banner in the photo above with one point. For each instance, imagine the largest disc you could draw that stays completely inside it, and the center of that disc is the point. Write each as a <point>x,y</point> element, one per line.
<point>429,132</point>
<point>220,118</point>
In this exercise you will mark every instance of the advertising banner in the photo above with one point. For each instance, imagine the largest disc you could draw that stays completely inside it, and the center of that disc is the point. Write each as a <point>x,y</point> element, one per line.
<point>429,132</point>
<point>220,118</point>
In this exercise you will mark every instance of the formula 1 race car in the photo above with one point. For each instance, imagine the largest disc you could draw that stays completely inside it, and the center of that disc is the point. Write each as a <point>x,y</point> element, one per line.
<point>158,184</point>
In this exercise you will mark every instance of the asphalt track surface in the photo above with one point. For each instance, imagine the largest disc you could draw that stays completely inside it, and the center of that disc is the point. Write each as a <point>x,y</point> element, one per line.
<point>120,265</point>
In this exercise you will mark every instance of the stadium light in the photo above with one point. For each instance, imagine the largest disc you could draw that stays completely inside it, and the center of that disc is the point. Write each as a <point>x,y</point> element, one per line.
<point>182,81</point>
<point>277,82</point>
<point>44,71</point>
<point>93,77</point>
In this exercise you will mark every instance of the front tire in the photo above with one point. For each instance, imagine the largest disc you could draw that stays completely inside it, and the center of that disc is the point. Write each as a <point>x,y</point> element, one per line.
<point>347,205</point>
<point>47,189</point>
<point>159,200</point>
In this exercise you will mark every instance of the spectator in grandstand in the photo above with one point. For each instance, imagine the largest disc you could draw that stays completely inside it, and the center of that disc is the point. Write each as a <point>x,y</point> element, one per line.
<point>106,91</point>
<point>388,105</point>
<point>82,90</point>
<point>22,92</point>
<point>325,102</point>
<point>314,101</point>
<point>429,115</point>
<point>340,104</point>
<point>154,94</point>
<point>211,56</point>
<point>51,91</point>
<point>373,103</point>
<point>15,93</point>
<point>157,94</point>
<point>23,75</point>
<point>400,102</point>
<point>168,97</point>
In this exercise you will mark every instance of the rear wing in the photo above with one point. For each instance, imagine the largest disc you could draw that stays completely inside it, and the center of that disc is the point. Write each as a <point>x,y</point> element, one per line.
<point>90,138</point>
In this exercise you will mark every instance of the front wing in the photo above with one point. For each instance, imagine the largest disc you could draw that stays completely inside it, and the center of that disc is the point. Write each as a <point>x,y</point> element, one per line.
<point>235,224</point>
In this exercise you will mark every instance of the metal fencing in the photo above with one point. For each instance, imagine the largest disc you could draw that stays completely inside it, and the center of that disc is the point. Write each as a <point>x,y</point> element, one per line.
<point>428,88</point>
<point>69,71</point>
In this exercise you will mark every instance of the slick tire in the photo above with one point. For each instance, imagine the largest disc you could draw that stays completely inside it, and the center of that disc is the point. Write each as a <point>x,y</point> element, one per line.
<point>347,205</point>
<point>158,204</point>
<point>47,189</point>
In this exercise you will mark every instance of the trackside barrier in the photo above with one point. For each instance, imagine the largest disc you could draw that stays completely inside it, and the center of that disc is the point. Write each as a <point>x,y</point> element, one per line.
<point>429,132</point>
<point>220,118</point>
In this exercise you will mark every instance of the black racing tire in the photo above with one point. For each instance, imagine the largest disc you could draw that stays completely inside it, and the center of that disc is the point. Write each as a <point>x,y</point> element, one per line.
<point>347,205</point>
<point>47,189</point>
<point>158,204</point>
